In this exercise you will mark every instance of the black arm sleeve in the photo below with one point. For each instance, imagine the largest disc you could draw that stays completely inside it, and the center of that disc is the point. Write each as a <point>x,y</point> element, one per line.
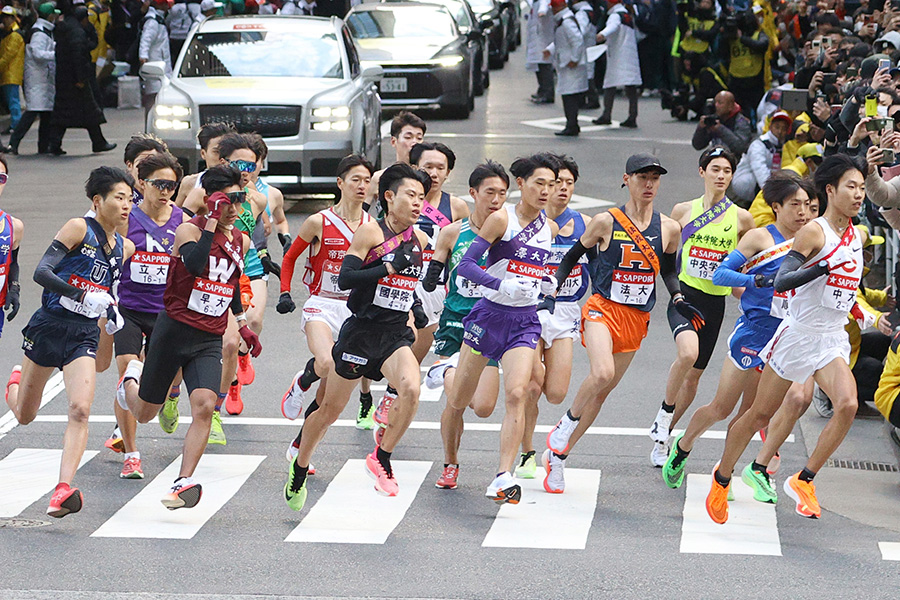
<point>353,274</point>
<point>790,275</point>
<point>259,234</point>
<point>435,270</point>
<point>568,262</point>
<point>195,255</point>
<point>14,268</point>
<point>236,306</point>
<point>669,273</point>
<point>45,277</point>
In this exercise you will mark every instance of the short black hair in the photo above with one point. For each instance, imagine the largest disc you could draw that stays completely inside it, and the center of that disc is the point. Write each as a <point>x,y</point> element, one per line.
<point>102,180</point>
<point>486,170</point>
<point>568,163</point>
<point>157,162</point>
<point>782,185</point>
<point>233,142</point>
<point>353,160</point>
<point>220,177</point>
<point>404,118</point>
<point>211,131</point>
<point>143,142</point>
<point>415,154</point>
<point>832,170</point>
<point>259,145</point>
<point>526,166</point>
<point>717,152</point>
<point>394,175</point>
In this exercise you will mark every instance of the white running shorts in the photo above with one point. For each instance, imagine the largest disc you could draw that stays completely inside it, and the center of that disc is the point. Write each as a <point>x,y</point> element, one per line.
<point>432,302</point>
<point>795,355</point>
<point>563,323</point>
<point>327,310</point>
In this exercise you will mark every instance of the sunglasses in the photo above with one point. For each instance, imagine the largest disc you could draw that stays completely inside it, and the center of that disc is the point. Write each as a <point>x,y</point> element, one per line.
<point>163,185</point>
<point>244,166</point>
<point>237,197</point>
<point>3,178</point>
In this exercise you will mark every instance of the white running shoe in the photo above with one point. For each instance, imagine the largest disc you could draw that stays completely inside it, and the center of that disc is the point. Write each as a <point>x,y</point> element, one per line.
<point>434,378</point>
<point>555,481</point>
<point>133,371</point>
<point>659,432</point>
<point>660,454</point>
<point>504,489</point>
<point>558,438</point>
<point>292,452</point>
<point>292,401</point>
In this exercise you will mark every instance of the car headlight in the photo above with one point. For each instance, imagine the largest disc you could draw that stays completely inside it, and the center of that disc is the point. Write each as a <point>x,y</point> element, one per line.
<point>172,116</point>
<point>330,118</point>
<point>450,61</point>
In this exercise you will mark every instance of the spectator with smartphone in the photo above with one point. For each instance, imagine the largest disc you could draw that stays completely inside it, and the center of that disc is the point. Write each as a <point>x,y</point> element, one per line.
<point>727,127</point>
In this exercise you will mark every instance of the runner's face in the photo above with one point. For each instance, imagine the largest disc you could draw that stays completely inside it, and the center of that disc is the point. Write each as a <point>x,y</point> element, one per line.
<point>565,187</point>
<point>151,194</point>
<point>115,207</point>
<point>355,183</point>
<point>794,212</point>
<point>230,211</point>
<point>847,196</point>
<point>717,175</point>
<point>406,204</point>
<point>538,188</point>
<point>132,168</point>
<point>211,154</point>
<point>241,154</point>
<point>408,137</point>
<point>643,186</point>
<point>434,163</point>
<point>489,196</point>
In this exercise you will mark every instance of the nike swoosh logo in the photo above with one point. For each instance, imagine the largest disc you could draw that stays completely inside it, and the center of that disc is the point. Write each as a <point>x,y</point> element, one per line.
<point>857,249</point>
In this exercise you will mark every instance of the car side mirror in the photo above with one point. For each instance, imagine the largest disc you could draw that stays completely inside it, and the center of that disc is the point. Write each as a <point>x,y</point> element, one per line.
<point>153,70</point>
<point>474,34</point>
<point>486,22</point>
<point>374,73</point>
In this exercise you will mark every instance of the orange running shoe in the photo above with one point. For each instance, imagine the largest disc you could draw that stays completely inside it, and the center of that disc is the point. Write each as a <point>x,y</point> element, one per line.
<point>717,500</point>
<point>115,442</point>
<point>245,371</point>
<point>447,480</point>
<point>233,403</point>
<point>65,500</point>
<point>804,494</point>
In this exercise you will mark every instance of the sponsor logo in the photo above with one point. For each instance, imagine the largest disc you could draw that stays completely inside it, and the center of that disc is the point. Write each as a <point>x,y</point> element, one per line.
<point>353,359</point>
<point>746,361</point>
<point>333,241</point>
<point>595,314</point>
<point>749,351</point>
<point>311,310</point>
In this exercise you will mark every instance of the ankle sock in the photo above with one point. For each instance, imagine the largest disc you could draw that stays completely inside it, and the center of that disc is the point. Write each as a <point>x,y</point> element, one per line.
<point>723,481</point>
<point>175,391</point>
<point>365,401</point>
<point>300,474</point>
<point>571,418</point>
<point>385,459</point>
<point>221,399</point>
<point>136,455</point>
<point>308,377</point>
<point>667,408</point>
<point>806,475</point>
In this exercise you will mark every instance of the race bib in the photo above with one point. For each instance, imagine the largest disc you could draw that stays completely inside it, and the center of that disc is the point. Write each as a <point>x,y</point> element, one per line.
<point>426,259</point>
<point>77,307</point>
<point>395,292</point>
<point>703,262</point>
<point>330,287</point>
<point>779,308</point>
<point>150,268</point>
<point>210,298</point>
<point>3,272</point>
<point>532,273</point>
<point>628,287</point>
<point>467,288</point>
<point>572,283</point>
<point>840,292</point>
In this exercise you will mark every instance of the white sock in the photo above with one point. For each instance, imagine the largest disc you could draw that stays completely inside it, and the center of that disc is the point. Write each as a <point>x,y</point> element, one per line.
<point>136,455</point>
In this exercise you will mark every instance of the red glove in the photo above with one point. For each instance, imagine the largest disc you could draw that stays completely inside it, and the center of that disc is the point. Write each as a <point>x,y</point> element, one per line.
<point>214,203</point>
<point>252,341</point>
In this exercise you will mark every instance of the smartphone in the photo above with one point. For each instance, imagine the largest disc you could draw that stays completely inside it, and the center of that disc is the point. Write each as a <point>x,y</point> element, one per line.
<point>816,44</point>
<point>884,63</point>
<point>886,124</point>
<point>887,156</point>
<point>871,106</point>
<point>794,99</point>
<point>827,42</point>
<point>829,79</point>
<point>852,71</point>
<point>836,108</point>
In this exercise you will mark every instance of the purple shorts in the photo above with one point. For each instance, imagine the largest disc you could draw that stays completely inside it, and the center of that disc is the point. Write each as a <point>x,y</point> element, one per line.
<point>491,329</point>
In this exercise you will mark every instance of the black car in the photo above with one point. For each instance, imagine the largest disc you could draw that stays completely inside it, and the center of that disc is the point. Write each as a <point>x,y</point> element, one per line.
<point>492,12</point>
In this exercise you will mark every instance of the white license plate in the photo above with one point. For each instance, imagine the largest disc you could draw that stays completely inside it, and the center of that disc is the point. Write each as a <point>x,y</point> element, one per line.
<point>393,85</point>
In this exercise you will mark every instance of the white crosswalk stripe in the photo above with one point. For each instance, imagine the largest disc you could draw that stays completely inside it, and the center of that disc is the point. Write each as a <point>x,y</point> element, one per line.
<point>27,474</point>
<point>889,550</point>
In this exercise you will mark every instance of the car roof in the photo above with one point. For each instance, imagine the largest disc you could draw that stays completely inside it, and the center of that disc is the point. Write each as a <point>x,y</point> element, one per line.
<point>263,22</point>
<point>392,5</point>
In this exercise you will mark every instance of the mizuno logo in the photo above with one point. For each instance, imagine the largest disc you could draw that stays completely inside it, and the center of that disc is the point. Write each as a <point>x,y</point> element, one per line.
<point>650,238</point>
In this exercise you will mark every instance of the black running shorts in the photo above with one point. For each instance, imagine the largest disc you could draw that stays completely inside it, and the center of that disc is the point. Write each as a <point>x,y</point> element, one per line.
<point>54,341</point>
<point>135,334</point>
<point>713,310</point>
<point>363,346</point>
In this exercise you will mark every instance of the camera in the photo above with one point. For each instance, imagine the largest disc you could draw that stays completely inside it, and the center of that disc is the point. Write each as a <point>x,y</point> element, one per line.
<point>710,120</point>
<point>886,123</point>
<point>730,25</point>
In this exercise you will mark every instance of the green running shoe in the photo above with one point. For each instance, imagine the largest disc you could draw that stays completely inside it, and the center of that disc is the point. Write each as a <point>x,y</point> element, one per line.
<point>364,418</point>
<point>527,468</point>
<point>216,433</point>
<point>168,416</point>
<point>673,470</point>
<point>295,499</point>
<point>763,490</point>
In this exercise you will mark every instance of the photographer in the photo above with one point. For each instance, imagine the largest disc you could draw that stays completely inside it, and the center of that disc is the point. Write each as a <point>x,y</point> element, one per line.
<point>727,127</point>
<point>747,47</point>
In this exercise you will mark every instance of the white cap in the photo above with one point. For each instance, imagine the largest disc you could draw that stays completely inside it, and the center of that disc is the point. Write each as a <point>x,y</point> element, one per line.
<point>209,5</point>
<point>8,10</point>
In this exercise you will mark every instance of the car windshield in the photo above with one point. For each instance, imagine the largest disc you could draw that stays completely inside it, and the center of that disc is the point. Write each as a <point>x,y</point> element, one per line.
<point>406,22</point>
<point>307,52</point>
<point>481,6</point>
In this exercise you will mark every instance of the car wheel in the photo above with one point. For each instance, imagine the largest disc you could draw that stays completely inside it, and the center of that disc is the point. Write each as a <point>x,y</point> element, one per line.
<point>478,78</point>
<point>487,79</point>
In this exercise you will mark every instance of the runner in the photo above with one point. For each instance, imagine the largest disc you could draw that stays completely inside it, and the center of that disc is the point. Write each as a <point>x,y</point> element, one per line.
<point>711,228</point>
<point>636,243</point>
<point>752,266</point>
<point>77,272</point>
<point>503,325</point>
<point>553,361</point>
<point>151,228</point>
<point>11,232</point>
<point>381,270</point>
<point>822,272</point>
<point>407,130</point>
<point>329,234</point>
<point>209,137</point>
<point>488,185</point>
<point>202,284</point>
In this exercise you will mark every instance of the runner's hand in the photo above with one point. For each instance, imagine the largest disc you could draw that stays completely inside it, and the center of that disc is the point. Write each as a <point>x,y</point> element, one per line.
<point>12,301</point>
<point>114,320</point>
<point>285,304</point>
<point>517,288</point>
<point>764,281</point>
<point>548,304</point>
<point>269,266</point>
<point>689,312</point>
<point>401,261</point>
<point>285,240</point>
<point>252,341</point>
<point>420,319</point>
<point>548,285</point>
<point>214,203</point>
<point>97,302</point>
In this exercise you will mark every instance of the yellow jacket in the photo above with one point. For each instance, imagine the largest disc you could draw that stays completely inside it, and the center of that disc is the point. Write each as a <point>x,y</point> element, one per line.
<point>865,299</point>
<point>762,213</point>
<point>98,15</point>
<point>12,58</point>
<point>889,384</point>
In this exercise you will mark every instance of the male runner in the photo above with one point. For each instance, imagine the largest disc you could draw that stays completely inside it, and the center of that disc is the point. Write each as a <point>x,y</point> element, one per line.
<point>202,284</point>
<point>752,266</point>
<point>636,243</point>
<point>381,269</point>
<point>77,272</point>
<point>11,232</point>
<point>208,138</point>
<point>488,185</point>
<point>407,130</point>
<point>822,272</point>
<point>711,227</point>
<point>503,325</point>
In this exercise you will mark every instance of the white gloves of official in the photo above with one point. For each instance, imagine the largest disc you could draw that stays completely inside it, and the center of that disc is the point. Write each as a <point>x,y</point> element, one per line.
<point>517,289</point>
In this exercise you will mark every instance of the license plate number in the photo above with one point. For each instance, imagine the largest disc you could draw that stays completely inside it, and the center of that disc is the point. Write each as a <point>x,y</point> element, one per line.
<point>393,85</point>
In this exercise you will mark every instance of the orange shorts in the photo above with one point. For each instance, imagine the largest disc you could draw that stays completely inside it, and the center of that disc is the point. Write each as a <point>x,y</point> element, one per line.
<point>627,325</point>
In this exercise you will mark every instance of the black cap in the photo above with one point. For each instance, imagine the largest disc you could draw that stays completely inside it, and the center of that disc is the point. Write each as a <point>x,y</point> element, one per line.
<point>643,162</point>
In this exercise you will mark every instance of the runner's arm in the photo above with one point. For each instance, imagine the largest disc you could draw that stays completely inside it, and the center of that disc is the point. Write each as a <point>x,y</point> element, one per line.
<point>808,241</point>
<point>44,275</point>
<point>569,261</point>
<point>445,240</point>
<point>468,266</point>
<point>729,274</point>
<point>298,247</point>
<point>354,273</point>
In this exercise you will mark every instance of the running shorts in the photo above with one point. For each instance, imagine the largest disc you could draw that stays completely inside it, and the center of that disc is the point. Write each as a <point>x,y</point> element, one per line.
<point>713,310</point>
<point>364,345</point>
<point>492,329</point>
<point>432,302</point>
<point>135,334</point>
<point>51,341</point>
<point>746,342</point>
<point>562,324</point>
<point>330,311</point>
<point>627,325</point>
<point>174,346</point>
<point>795,353</point>
<point>448,338</point>
<point>2,321</point>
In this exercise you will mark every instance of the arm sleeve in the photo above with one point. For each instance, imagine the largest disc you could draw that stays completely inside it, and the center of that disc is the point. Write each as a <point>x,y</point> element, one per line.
<point>729,272</point>
<point>297,248</point>
<point>701,137</point>
<point>14,268</point>
<point>45,276</point>
<point>759,164</point>
<point>354,274</point>
<point>196,254</point>
<point>236,306</point>
<point>147,36</point>
<point>468,266</point>
<point>568,262</point>
<point>791,274</point>
<point>259,235</point>
<point>435,269</point>
<point>669,272</point>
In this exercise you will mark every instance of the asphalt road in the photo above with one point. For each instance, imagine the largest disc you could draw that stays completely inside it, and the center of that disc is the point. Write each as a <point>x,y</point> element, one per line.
<point>618,531</point>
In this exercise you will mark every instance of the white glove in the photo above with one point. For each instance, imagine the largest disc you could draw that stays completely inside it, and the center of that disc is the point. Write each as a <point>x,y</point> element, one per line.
<point>97,302</point>
<point>517,289</point>
<point>114,320</point>
<point>548,285</point>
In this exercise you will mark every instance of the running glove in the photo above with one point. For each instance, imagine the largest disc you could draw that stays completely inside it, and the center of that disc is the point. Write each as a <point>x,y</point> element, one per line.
<point>114,320</point>
<point>285,240</point>
<point>548,304</point>
<point>548,285</point>
<point>252,340</point>
<point>517,288</point>
<point>97,302</point>
<point>12,301</point>
<point>269,265</point>
<point>420,319</point>
<point>215,202</point>
<point>401,261</point>
<point>285,304</point>
<point>689,312</point>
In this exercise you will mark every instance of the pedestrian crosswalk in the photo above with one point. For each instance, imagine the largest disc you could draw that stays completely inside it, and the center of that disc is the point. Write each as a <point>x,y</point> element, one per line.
<point>27,474</point>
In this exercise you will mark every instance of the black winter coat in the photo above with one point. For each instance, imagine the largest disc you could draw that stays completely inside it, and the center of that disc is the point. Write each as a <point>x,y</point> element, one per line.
<point>76,106</point>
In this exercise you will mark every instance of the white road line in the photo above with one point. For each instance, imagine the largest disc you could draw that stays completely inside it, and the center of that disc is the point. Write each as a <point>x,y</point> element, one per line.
<point>752,527</point>
<point>889,550</point>
<point>53,387</point>
<point>282,422</point>
<point>221,476</point>
<point>352,512</point>
<point>603,138</point>
<point>542,520</point>
<point>26,474</point>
